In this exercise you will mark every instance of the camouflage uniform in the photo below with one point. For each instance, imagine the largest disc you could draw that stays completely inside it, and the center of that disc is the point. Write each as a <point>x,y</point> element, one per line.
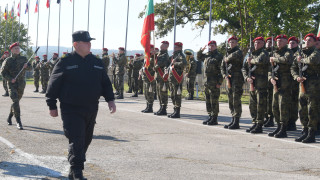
<point>191,77</point>
<point>147,82</point>
<point>136,66</point>
<point>114,77</point>
<point>258,97</point>
<point>52,64</point>
<point>4,81</point>
<point>213,77</point>
<point>161,63</point>
<point>121,62</point>
<point>36,73</point>
<point>11,67</point>
<point>129,73</point>
<point>106,61</point>
<point>234,59</point>
<point>44,74</point>
<point>141,81</point>
<point>269,113</point>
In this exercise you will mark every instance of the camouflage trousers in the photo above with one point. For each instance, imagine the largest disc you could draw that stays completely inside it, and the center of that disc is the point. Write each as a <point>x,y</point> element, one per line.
<point>44,82</point>
<point>162,91</point>
<point>115,83</point>
<point>308,109</point>
<point>190,85</point>
<point>149,91</point>
<point>234,99</point>
<point>175,97</point>
<point>130,81</point>
<point>5,84</point>
<point>120,83</point>
<point>281,103</point>
<point>135,84</point>
<point>140,84</point>
<point>36,81</point>
<point>258,105</point>
<point>269,99</point>
<point>294,104</point>
<point>212,100</point>
<point>16,93</point>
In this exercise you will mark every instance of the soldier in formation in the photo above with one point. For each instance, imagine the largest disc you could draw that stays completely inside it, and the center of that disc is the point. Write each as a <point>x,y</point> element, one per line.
<point>36,73</point>
<point>120,64</point>
<point>44,73</point>
<point>191,73</point>
<point>129,73</point>
<point>136,66</point>
<point>4,81</point>
<point>105,59</point>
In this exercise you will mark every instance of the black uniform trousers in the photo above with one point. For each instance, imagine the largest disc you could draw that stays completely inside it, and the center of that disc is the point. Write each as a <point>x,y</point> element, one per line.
<point>78,126</point>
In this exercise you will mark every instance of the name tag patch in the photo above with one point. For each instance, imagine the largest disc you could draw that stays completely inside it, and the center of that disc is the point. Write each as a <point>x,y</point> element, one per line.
<point>98,67</point>
<point>72,67</point>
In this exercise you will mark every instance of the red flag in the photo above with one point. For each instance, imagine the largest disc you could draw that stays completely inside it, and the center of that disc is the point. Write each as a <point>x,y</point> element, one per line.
<point>37,6</point>
<point>48,3</point>
<point>148,26</point>
<point>18,9</point>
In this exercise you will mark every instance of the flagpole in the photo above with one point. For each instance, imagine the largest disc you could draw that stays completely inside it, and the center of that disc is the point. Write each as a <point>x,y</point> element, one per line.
<point>175,21</point>
<point>72,20</point>
<point>88,14</point>
<point>59,27</point>
<point>38,24</point>
<point>12,18</point>
<point>210,19</point>
<point>28,26</point>
<point>104,22</point>
<point>19,21</point>
<point>48,27</point>
<point>125,48</point>
<point>5,42</point>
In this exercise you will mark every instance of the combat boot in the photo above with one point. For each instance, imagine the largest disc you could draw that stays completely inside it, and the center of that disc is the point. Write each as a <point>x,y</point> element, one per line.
<point>174,112</point>
<point>205,122</point>
<point>235,124</point>
<point>213,121</point>
<point>19,124</point>
<point>257,129</point>
<point>267,119</point>
<point>78,175</point>
<point>149,109</point>
<point>318,130</point>
<point>291,126</point>
<point>129,91</point>
<point>251,128</point>
<point>304,133</point>
<point>311,138</point>
<point>145,108</point>
<point>160,109</point>
<point>282,133</point>
<point>6,94</point>
<point>37,90</point>
<point>163,110</point>
<point>117,93</point>
<point>227,126</point>
<point>177,114</point>
<point>141,92</point>
<point>270,122</point>
<point>120,96</point>
<point>43,91</point>
<point>135,94</point>
<point>275,131</point>
<point>9,120</point>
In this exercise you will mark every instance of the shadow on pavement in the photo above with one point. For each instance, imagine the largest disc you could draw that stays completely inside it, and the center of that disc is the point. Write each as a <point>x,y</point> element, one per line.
<point>28,171</point>
<point>110,138</point>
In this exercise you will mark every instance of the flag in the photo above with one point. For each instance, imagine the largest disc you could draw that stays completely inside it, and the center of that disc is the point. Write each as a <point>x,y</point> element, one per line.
<point>12,12</point>
<point>37,6</point>
<point>27,8</point>
<point>5,14</point>
<point>148,26</point>
<point>48,3</point>
<point>18,9</point>
<point>318,34</point>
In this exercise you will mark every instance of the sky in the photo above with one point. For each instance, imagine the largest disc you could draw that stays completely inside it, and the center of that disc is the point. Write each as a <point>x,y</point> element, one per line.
<point>115,27</point>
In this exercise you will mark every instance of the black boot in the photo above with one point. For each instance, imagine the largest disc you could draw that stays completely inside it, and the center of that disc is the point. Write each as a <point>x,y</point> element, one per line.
<point>135,94</point>
<point>213,121</point>
<point>37,90</point>
<point>275,131</point>
<point>270,122</point>
<point>149,109</point>
<point>177,114</point>
<point>6,94</point>
<point>43,91</point>
<point>140,92</point>
<point>227,126</point>
<point>291,126</point>
<point>19,124</point>
<point>282,133</point>
<point>157,113</point>
<point>257,129</point>
<point>9,120</point>
<point>205,122</point>
<point>304,133</point>
<point>311,138</point>
<point>251,128</point>
<point>78,175</point>
<point>116,93</point>
<point>145,108</point>
<point>120,96</point>
<point>174,112</point>
<point>163,110</point>
<point>235,124</point>
<point>130,91</point>
<point>267,118</point>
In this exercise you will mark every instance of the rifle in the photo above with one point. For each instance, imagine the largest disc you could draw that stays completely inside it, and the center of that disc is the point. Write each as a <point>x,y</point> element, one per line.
<point>301,69</point>
<point>27,62</point>
<point>228,76</point>
<point>251,69</point>
<point>273,69</point>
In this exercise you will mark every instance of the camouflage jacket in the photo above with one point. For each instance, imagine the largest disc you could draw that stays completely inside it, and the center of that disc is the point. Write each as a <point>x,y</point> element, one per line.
<point>260,59</point>
<point>234,59</point>
<point>36,67</point>
<point>150,70</point>
<point>192,68</point>
<point>106,61</point>
<point>136,66</point>
<point>129,68</point>
<point>120,63</point>
<point>12,66</point>
<point>44,68</point>
<point>162,62</point>
<point>212,67</point>
<point>178,66</point>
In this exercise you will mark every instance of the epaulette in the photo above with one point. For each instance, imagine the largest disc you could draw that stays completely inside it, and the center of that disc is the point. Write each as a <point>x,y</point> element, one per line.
<point>64,56</point>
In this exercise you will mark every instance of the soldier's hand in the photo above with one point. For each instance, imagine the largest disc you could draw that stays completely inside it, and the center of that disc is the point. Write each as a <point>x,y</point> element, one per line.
<point>249,60</point>
<point>218,85</point>
<point>25,65</point>
<point>301,79</point>
<point>187,74</point>
<point>249,80</point>
<point>13,81</point>
<point>204,48</point>
<point>271,59</point>
<point>299,58</point>
<point>112,107</point>
<point>273,82</point>
<point>54,113</point>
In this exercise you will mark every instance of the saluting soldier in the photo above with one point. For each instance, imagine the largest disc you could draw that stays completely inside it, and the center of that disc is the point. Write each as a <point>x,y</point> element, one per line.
<point>161,63</point>
<point>233,64</point>
<point>44,73</point>
<point>53,62</point>
<point>36,73</point>
<point>178,63</point>
<point>191,73</point>
<point>9,70</point>
<point>4,81</point>
<point>136,66</point>
<point>281,80</point>
<point>129,73</point>
<point>269,115</point>
<point>105,59</point>
<point>213,80</point>
<point>308,62</point>
<point>293,112</point>
<point>257,65</point>
<point>149,82</point>
<point>120,63</point>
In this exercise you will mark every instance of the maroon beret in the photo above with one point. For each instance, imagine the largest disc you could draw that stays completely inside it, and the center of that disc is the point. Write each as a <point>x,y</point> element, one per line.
<point>165,42</point>
<point>283,36</point>
<point>178,44</point>
<point>310,35</point>
<point>233,37</point>
<point>137,54</point>
<point>56,54</point>
<point>65,53</point>
<point>37,57</point>
<point>104,49</point>
<point>293,38</point>
<point>6,52</point>
<point>131,56</point>
<point>121,48</point>
<point>151,46</point>
<point>212,42</point>
<point>14,45</point>
<point>157,49</point>
<point>44,55</point>
<point>258,38</point>
<point>269,38</point>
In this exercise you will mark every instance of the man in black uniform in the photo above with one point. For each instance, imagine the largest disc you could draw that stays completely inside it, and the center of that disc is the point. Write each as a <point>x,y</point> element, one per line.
<point>78,80</point>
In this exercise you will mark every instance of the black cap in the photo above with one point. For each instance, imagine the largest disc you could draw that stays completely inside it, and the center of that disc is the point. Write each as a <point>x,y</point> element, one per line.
<point>81,36</point>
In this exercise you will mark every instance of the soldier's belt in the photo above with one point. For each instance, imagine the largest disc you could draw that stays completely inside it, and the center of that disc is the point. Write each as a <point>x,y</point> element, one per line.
<point>178,77</point>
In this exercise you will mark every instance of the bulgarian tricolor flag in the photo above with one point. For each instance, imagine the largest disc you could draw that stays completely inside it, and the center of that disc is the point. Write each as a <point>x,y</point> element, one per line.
<point>148,26</point>
<point>318,34</point>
